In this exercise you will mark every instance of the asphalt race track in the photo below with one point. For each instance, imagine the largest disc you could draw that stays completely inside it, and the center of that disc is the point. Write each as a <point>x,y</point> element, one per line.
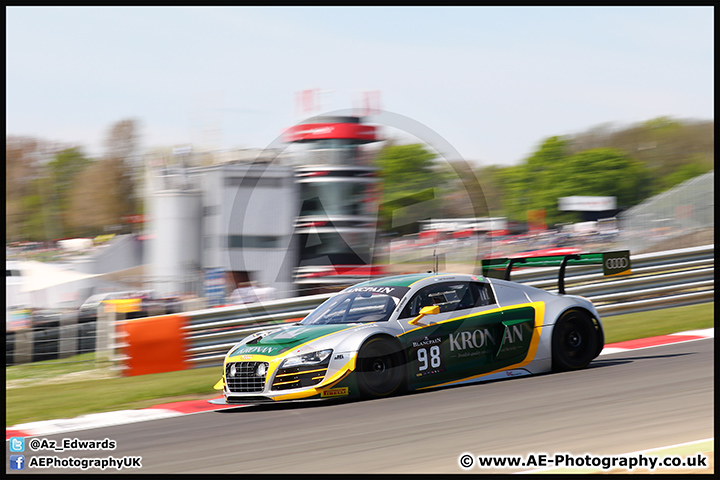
<point>624,402</point>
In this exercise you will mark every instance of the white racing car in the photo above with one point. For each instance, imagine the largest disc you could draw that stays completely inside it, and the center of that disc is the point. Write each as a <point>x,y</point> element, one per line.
<point>421,331</point>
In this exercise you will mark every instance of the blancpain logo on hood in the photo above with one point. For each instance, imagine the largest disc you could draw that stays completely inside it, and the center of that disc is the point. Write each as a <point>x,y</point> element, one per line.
<point>251,349</point>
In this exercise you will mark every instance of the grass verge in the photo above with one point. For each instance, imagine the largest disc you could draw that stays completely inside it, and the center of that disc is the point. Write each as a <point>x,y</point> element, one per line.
<point>46,401</point>
<point>72,387</point>
<point>620,328</point>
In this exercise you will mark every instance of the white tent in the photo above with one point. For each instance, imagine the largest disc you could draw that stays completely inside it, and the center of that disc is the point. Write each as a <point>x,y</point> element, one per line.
<point>45,285</point>
<point>39,276</point>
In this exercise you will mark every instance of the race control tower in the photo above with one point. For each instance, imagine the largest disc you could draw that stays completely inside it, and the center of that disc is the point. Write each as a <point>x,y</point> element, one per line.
<point>338,194</point>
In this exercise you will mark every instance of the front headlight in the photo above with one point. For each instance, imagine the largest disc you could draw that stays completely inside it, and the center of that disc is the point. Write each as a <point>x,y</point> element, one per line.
<point>312,358</point>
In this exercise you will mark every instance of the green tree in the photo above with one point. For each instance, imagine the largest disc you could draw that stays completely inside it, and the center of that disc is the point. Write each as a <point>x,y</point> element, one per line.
<point>645,159</point>
<point>601,172</point>
<point>489,178</point>
<point>412,186</point>
<point>64,172</point>
<point>93,201</point>
<point>515,187</point>
<point>663,144</point>
<point>551,173</point>
<point>102,192</point>
<point>23,200</point>
<point>685,172</point>
<point>462,194</point>
<point>121,149</point>
<point>531,185</point>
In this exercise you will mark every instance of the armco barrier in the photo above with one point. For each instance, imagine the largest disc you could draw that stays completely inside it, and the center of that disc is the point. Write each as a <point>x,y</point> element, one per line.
<point>50,334</point>
<point>659,280</point>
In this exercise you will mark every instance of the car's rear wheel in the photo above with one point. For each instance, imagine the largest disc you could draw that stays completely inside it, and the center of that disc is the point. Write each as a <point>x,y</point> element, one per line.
<point>380,368</point>
<point>575,341</point>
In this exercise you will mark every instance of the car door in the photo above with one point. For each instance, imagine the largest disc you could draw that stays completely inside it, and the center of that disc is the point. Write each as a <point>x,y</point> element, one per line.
<point>460,341</point>
<point>519,335</point>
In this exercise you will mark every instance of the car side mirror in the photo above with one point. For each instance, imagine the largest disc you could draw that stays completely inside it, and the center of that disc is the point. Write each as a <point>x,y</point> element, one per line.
<point>431,310</point>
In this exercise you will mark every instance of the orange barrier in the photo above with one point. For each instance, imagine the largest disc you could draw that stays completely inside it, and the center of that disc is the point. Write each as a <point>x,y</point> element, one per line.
<point>154,344</point>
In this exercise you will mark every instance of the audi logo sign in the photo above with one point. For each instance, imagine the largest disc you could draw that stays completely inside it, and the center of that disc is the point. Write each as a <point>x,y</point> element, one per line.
<point>613,263</point>
<point>616,263</point>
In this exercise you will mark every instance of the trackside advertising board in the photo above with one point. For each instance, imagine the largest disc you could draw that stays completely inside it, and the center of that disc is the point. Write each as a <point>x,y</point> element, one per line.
<point>616,263</point>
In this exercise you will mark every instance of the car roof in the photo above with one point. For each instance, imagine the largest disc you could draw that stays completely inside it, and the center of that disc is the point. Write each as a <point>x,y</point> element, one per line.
<point>411,279</point>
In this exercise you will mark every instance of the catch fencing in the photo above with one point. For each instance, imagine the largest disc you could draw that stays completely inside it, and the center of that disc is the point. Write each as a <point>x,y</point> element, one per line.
<point>678,212</point>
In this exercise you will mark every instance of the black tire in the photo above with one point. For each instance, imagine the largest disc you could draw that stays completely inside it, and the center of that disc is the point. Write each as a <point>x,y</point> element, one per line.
<point>576,341</point>
<point>380,368</point>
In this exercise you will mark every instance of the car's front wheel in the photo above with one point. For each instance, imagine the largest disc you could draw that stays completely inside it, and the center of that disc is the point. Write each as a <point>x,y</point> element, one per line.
<point>575,341</point>
<point>380,368</point>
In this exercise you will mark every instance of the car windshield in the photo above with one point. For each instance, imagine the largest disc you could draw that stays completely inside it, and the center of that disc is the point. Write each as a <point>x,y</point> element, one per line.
<point>353,307</point>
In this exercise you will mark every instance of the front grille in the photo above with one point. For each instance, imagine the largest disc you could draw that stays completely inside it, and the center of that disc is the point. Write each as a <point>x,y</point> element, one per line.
<point>297,377</point>
<point>245,379</point>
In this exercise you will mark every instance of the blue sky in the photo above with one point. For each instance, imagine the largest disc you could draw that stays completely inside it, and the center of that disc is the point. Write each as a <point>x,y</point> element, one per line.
<point>493,82</point>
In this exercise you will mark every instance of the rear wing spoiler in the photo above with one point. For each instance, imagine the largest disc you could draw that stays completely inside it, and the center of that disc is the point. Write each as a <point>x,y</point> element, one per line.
<point>614,263</point>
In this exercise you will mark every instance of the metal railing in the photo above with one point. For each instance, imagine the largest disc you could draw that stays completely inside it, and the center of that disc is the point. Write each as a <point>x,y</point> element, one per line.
<point>659,280</point>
